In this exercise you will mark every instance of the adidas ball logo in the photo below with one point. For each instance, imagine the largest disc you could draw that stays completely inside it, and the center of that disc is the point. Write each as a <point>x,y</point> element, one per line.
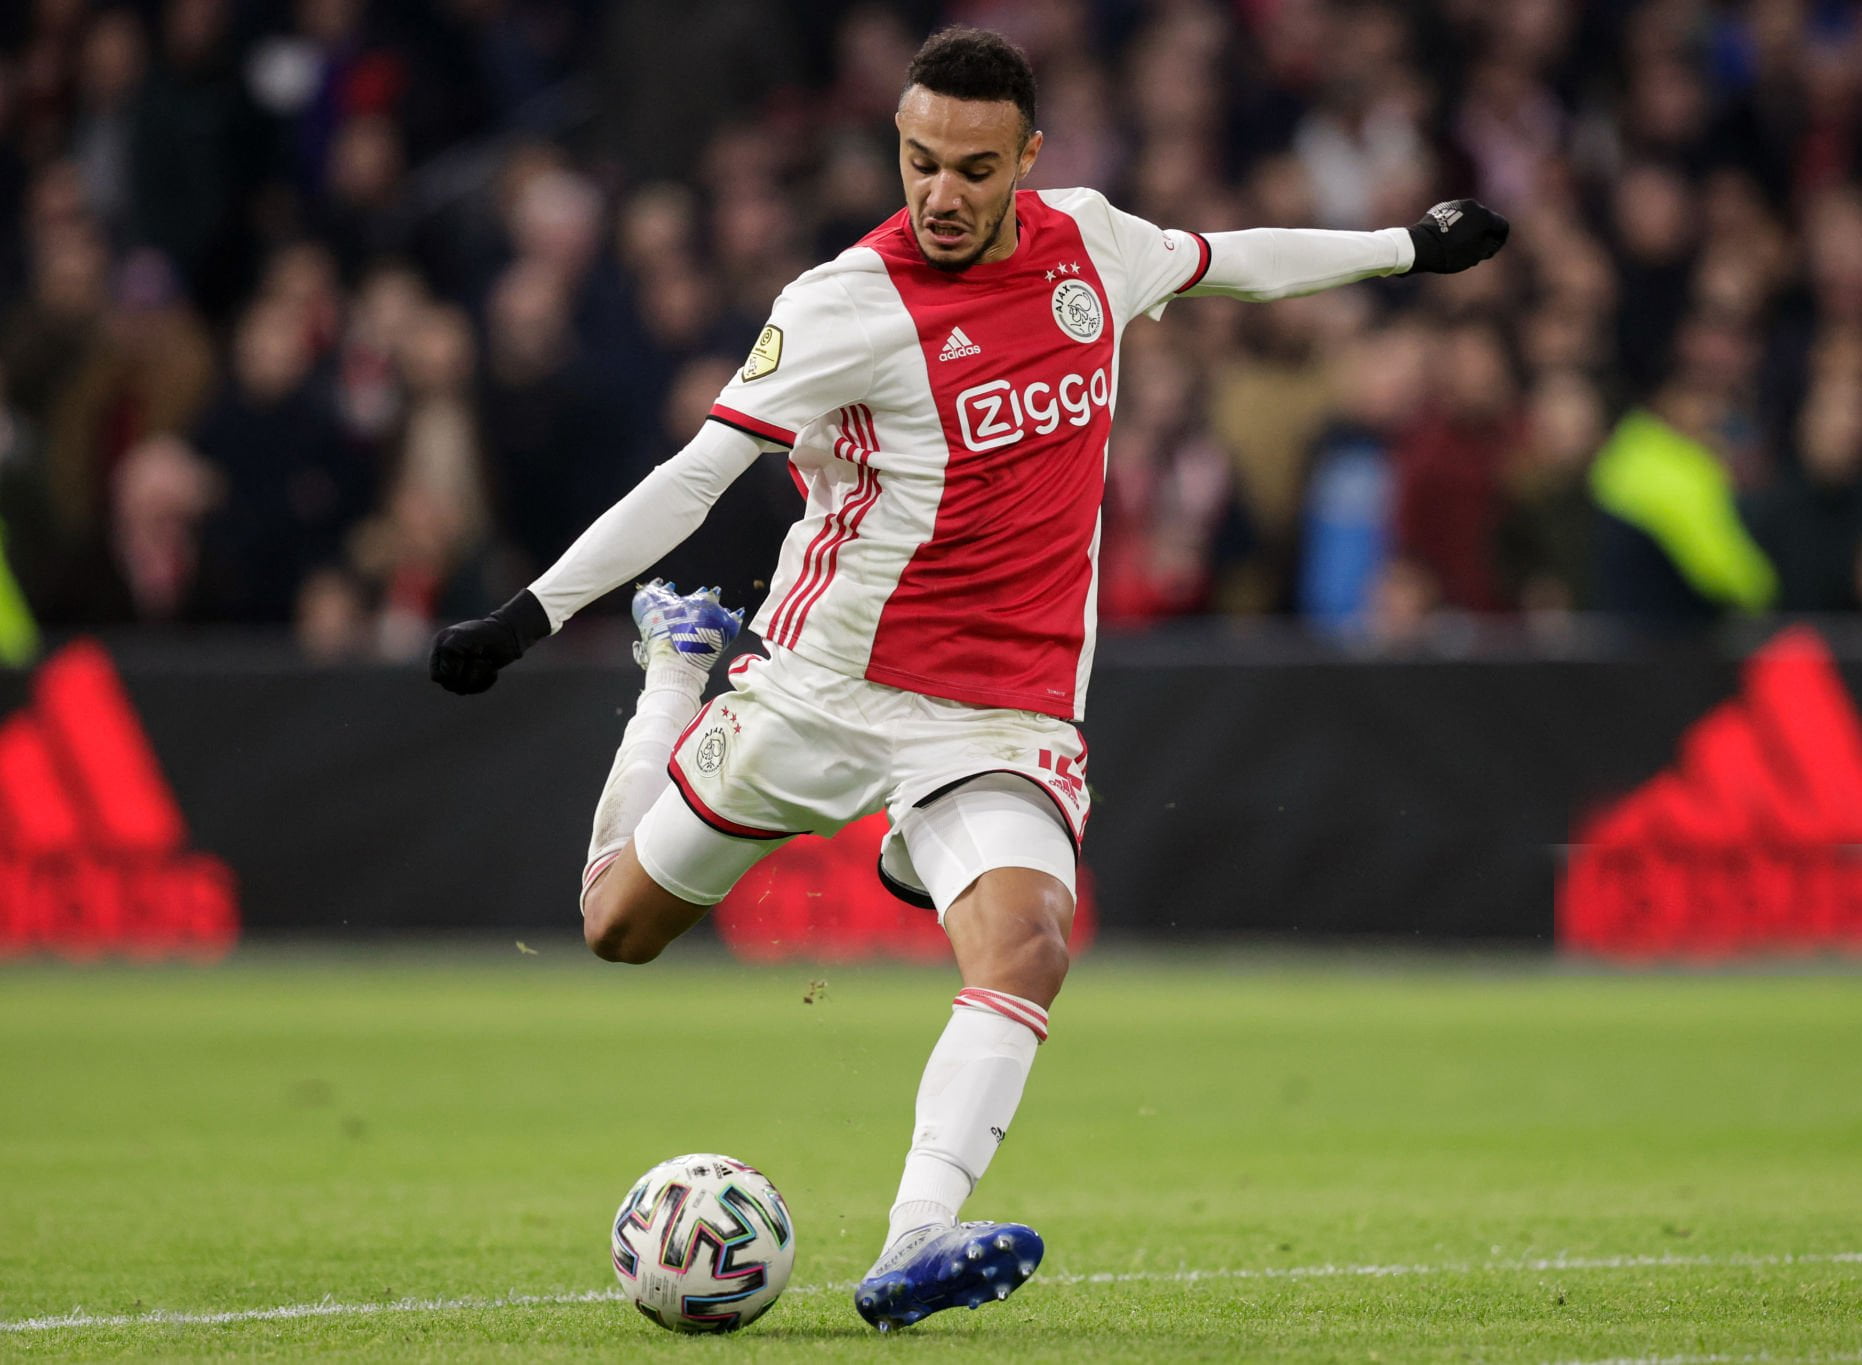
<point>957,346</point>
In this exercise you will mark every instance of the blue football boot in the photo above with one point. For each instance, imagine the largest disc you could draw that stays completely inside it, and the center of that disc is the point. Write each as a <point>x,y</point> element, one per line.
<point>691,631</point>
<point>935,1268</point>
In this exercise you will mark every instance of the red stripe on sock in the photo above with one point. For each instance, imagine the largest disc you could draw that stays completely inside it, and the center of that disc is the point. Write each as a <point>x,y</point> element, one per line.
<point>1002,1000</point>
<point>1024,1012</point>
<point>594,869</point>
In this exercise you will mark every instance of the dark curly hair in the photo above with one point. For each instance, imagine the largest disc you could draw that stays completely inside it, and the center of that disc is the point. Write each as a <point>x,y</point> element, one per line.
<point>975,64</point>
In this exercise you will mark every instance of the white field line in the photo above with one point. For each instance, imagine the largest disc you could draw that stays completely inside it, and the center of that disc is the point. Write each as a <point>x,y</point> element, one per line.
<point>78,1319</point>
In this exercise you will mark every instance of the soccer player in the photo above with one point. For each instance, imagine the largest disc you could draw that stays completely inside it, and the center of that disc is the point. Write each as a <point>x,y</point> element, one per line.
<point>944,391</point>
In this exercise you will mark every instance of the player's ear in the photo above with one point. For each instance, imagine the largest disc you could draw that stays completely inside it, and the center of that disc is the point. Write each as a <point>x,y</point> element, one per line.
<point>1030,150</point>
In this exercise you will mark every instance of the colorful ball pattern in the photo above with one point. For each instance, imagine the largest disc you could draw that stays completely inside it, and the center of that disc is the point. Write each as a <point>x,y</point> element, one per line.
<point>703,1243</point>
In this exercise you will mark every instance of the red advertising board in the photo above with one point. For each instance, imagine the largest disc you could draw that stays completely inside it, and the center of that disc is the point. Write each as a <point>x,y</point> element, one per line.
<point>1750,842</point>
<point>93,848</point>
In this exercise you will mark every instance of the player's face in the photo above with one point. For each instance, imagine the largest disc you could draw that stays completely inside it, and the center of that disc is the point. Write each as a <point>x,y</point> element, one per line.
<point>961,161</point>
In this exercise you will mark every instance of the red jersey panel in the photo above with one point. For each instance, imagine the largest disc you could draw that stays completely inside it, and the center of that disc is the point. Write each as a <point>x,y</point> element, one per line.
<point>995,602</point>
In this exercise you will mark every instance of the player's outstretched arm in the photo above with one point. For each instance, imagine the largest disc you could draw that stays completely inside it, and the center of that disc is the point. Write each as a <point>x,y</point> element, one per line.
<point>662,510</point>
<point>1277,263</point>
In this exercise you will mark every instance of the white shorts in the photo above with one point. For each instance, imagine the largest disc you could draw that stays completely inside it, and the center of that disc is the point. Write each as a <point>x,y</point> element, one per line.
<point>795,748</point>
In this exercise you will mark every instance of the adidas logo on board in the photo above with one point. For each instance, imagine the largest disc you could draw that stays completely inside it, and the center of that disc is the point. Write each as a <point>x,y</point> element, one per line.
<point>94,855</point>
<point>1749,842</point>
<point>957,346</point>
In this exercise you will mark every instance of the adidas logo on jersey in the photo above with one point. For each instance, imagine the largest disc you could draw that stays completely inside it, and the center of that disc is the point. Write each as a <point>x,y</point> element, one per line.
<point>957,346</point>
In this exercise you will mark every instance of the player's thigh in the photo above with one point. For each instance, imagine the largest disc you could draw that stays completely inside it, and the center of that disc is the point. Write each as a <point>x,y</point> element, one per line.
<point>786,752</point>
<point>999,864</point>
<point>993,821</point>
<point>946,746</point>
<point>690,859</point>
<point>662,882</point>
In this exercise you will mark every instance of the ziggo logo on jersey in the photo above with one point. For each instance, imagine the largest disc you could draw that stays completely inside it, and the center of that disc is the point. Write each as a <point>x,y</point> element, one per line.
<point>996,414</point>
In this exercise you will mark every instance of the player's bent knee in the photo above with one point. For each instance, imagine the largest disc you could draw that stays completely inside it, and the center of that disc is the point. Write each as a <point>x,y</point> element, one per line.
<point>1044,919</point>
<point>1044,953</point>
<point>1010,930</point>
<point>628,917</point>
<point>614,943</point>
<point>1038,954</point>
<point>615,936</point>
<point>631,951</point>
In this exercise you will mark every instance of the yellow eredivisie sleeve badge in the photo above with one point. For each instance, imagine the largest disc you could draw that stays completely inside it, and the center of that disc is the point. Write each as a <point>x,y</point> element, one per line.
<point>765,356</point>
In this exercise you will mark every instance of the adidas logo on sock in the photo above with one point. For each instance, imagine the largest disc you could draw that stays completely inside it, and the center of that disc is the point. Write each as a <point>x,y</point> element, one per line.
<point>957,346</point>
<point>1748,841</point>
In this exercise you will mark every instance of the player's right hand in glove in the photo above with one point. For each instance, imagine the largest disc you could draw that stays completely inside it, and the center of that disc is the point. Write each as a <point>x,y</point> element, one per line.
<point>1455,235</point>
<point>466,658</point>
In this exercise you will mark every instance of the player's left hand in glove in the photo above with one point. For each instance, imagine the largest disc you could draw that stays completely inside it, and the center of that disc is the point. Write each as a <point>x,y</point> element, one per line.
<point>1455,235</point>
<point>466,658</point>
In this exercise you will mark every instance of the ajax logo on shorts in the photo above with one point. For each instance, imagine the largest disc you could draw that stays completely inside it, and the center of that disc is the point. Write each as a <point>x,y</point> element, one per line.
<point>998,414</point>
<point>709,756</point>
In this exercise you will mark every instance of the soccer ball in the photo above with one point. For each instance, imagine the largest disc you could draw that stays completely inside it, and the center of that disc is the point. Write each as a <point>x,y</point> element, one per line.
<point>703,1243</point>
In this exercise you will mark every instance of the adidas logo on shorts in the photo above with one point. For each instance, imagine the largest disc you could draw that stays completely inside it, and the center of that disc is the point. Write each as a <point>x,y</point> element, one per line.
<point>957,346</point>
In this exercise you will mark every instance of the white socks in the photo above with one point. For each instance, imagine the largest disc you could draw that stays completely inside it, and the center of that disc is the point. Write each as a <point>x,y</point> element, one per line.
<point>970,1090</point>
<point>639,775</point>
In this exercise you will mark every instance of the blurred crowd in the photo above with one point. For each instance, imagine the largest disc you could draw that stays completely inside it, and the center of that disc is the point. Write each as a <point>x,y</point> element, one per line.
<point>350,315</point>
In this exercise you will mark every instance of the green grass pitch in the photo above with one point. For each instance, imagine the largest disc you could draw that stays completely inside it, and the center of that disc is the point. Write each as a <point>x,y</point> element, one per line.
<point>415,1156</point>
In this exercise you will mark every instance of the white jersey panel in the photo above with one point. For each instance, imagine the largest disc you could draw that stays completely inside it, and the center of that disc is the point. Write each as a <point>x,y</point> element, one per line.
<point>1144,266</point>
<point>812,357</point>
<point>874,471</point>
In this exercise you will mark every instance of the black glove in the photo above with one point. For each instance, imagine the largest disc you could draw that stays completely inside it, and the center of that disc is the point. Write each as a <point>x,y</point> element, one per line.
<point>466,657</point>
<point>1455,235</point>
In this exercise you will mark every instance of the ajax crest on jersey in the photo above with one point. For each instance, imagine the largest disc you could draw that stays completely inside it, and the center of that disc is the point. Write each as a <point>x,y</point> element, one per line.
<point>1077,310</point>
<point>703,1243</point>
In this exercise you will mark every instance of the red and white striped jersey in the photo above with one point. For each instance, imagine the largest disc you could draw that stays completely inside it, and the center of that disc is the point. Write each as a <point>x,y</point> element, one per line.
<point>949,433</point>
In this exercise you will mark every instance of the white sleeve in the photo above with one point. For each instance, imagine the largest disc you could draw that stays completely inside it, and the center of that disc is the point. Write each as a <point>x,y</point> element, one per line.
<point>660,512</point>
<point>1278,263</point>
<point>1258,263</point>
<point>811,358</point>
<point>1157,263</point>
